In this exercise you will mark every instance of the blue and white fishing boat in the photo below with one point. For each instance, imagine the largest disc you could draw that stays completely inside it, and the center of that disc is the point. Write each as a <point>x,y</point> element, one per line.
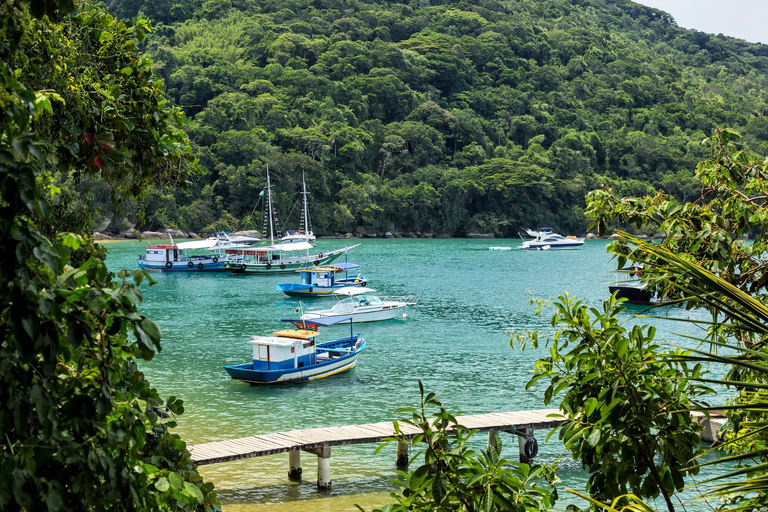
<point>175,257</point>
<point>291,355</point>
<point>323,281</point>
<point>545,239</point>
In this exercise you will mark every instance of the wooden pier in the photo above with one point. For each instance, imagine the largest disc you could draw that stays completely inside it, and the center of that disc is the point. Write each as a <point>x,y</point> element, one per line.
<point>318,441</point>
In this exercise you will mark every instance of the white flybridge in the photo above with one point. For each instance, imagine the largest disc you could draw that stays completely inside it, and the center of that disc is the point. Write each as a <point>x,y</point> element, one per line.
<point>305,234</point>
<point>281,257</point>
<point>361,307</point>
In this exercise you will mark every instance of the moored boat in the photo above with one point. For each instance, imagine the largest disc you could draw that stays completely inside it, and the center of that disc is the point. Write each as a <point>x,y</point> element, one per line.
<point>300,235</point>
<point>360,308</point>
<point>322,281</point>
<point>292,355</point>
<point>279,258</point>
<point>634,290</point>
<point>175,257</point>
<point>546,239</point>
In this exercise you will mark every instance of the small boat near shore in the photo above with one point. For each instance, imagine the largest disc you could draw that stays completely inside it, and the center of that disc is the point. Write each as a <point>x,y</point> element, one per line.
<point>175,257</point>
<point>634,290</point>
<point>293,356</point>
<point>322,281</point>
<point>360,307</point>
<point>546,239</point>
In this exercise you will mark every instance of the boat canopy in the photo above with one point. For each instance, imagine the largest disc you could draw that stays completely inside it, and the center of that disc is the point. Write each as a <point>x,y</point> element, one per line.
<point>325,322</point>
<point>295,246</point>
<point>197,244</point>
<point>350,291</point>
<point>346,265</point>
<point>321,269</point>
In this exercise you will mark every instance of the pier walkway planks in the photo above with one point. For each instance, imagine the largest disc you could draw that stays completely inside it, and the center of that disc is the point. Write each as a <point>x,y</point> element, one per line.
<point>314,438</point>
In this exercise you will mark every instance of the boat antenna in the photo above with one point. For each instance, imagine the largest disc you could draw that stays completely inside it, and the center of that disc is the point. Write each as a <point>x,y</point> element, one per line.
<point>269,200</point>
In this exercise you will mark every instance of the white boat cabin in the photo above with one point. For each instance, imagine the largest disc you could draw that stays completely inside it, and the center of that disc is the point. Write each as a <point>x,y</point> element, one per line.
<point>284,350</point>
<point>163,253</point>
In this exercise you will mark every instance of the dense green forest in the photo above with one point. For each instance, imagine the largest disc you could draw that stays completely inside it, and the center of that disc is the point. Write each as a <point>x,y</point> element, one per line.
<point>442,117</point>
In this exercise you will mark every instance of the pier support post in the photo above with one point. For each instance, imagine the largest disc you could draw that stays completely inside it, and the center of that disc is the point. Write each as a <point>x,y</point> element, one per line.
<point>528,445</point>
<point>402,454</point>
<point>491,437</point>
<point>294,465</point>
<point>323,467</point>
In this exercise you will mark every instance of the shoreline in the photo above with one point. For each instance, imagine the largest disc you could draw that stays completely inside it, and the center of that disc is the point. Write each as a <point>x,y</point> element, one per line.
<point>152,235</point>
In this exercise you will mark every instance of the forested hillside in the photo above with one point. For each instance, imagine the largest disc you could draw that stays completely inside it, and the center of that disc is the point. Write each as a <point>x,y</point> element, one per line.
<point>442,117</point>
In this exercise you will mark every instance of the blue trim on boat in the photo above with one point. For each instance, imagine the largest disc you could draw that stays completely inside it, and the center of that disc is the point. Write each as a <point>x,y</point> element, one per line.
<point>342,348</point>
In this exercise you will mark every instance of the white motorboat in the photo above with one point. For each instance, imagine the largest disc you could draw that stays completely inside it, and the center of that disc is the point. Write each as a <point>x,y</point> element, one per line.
<point>546,239</point>
<point>361,307</point>
<point>227,240</point>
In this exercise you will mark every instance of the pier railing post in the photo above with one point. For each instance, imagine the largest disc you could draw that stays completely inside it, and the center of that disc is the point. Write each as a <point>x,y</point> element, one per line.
<point>294,465</point>
<point>402,454</point>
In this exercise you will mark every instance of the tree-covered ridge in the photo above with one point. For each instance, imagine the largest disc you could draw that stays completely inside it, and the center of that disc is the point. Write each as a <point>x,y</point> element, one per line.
<point>466,116</point>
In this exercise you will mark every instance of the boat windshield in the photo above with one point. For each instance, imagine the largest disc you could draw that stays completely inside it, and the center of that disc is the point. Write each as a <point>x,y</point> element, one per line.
<point>370,300</point>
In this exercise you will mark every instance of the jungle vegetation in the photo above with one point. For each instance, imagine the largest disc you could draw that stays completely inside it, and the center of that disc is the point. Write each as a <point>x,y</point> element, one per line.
<point>442,117</point>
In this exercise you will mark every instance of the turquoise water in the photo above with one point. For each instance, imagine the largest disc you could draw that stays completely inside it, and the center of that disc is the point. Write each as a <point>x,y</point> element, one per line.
<point>455,340</point>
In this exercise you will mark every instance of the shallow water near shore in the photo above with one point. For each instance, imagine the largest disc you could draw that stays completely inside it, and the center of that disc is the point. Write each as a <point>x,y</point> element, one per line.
<point>455,340</point>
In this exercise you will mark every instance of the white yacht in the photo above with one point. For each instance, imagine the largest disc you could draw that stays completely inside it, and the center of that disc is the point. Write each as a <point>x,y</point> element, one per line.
<point>546,239</point>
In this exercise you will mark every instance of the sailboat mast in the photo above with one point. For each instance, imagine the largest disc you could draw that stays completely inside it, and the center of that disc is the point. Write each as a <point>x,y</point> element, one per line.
<point>269,200</point>
<point>306,212</point>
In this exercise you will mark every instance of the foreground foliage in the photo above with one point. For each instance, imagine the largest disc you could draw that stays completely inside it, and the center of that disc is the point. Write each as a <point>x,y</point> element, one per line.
<point>453,477</point>
<point>626,405</point>
<point>80,428</point>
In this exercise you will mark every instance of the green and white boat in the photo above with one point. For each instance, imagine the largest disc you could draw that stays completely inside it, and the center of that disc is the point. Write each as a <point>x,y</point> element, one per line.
<point>279,258</point>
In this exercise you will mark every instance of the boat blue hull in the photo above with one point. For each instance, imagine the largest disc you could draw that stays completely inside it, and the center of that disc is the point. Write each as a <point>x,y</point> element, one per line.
<point>209,266</point>
<point>338,362</point>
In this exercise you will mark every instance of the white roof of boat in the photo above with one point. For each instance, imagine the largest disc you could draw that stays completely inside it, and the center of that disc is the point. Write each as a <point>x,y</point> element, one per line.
<point>350,291</point>
<point>197,244</point>
<point>295,246</point>
<point>278,341</point>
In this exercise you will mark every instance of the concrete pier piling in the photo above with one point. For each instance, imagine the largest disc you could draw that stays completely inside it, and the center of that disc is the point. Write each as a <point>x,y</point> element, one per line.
<point>294,465</point>
<point>402,454</point>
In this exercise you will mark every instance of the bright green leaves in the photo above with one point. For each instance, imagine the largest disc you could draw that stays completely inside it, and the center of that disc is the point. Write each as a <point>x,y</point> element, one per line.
<point>81,429</point>
<point>624,400</point>
<point>453,477</point>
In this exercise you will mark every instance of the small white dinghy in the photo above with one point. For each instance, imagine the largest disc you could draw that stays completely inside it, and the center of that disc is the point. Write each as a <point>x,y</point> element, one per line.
<point>360,306</point>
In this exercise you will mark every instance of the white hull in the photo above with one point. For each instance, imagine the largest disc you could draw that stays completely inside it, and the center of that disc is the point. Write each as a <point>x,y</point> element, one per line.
<point>363,314</point>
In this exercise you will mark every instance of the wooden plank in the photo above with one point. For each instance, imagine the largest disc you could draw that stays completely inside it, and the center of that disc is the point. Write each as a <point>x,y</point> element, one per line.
<point>280,442</point>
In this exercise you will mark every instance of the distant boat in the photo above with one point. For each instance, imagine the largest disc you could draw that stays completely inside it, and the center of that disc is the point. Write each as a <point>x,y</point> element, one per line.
<point>360,308</point>
<point>228,240</point>
<point>292,355</point>
<point>175,257</point>
<point>277,258</point>
<point>322,281</point>
<point>300,235</point>
<point>546,239</point>
<point>633,289</point>
<point>499,248</point>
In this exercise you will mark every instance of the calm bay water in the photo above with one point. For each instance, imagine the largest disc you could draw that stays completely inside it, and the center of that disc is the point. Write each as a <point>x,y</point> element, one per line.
<point>455,341</point>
